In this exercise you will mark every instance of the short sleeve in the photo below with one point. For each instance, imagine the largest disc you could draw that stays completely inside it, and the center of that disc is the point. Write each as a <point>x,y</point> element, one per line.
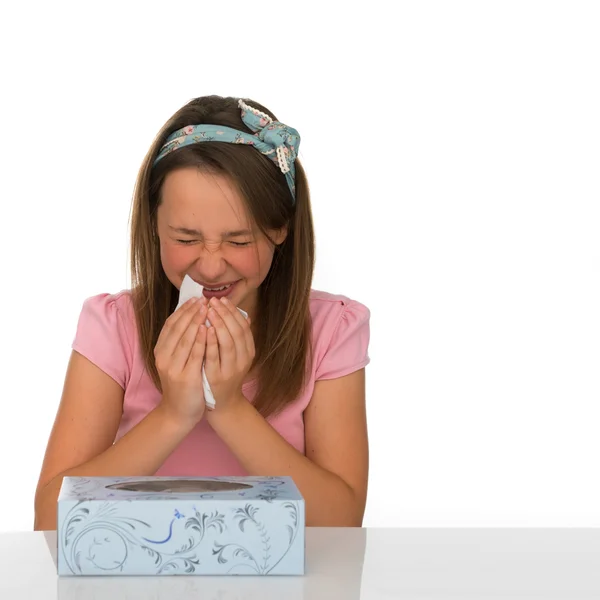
<point>348,347</point>
<point>102,338</point>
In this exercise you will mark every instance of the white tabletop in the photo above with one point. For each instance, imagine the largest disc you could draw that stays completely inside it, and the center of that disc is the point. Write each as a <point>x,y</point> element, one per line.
<point>349,564</point>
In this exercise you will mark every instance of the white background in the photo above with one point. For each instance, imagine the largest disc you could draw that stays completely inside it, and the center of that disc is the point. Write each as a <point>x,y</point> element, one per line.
<point>453,151</point>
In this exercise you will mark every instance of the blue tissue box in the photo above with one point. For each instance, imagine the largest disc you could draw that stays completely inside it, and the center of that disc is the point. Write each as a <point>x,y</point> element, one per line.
<point>180,526</point>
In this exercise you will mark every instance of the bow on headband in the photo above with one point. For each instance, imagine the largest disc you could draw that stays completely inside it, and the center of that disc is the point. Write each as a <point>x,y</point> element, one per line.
<point>272,138</point>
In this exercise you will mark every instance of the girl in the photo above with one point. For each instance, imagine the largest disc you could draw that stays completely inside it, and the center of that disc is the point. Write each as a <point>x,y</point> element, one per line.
<point>222,197</point>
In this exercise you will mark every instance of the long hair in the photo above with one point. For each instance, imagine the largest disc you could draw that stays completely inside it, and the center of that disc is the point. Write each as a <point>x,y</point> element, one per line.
<point>284,328</point>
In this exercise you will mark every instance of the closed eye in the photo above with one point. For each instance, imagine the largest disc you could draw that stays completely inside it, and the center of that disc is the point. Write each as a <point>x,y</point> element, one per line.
<point>188,242</point>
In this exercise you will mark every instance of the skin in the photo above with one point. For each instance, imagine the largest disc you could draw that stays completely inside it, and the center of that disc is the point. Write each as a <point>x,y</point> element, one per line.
<point>211,205</point>
<point>332,474</point>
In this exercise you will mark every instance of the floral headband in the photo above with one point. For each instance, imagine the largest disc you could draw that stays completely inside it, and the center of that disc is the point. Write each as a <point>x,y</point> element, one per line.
<point>272,138</point>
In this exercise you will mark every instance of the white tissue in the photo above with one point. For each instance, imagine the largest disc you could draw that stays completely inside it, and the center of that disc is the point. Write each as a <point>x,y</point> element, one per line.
<point>191,289</point>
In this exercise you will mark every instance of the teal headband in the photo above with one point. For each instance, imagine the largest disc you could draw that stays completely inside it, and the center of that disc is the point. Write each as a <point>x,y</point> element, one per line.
<point>272,138</point>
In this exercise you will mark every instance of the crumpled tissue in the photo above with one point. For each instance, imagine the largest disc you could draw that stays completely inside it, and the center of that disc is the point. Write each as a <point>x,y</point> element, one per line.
<point>191,289</point>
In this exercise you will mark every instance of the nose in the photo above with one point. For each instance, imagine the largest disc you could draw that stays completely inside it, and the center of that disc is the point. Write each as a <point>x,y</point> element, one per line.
<point>211,263</point>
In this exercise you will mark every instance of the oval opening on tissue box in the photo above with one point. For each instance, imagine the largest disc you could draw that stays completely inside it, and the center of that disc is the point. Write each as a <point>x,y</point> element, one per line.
<point>179,486</point>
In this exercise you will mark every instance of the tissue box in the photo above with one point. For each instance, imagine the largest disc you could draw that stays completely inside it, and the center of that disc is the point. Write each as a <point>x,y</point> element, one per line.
<point>180,526</point>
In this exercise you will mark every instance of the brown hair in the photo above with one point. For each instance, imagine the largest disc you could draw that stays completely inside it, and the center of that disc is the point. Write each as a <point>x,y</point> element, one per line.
<point>284,328</point>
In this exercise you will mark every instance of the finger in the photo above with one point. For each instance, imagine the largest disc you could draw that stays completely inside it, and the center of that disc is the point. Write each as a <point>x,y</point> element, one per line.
<point>194,363</point>
<point>182,351</point>
<point>230,316</point>
<point>245,333</point>
<point>213,362</point>
<point>249,339</point>
<point>227,349</point>
<point>233,310</point>
<point>175,331</point>
<point>185,309</point>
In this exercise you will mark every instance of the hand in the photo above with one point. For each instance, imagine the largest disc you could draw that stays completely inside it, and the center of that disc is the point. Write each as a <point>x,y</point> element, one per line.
<point>178,354</point>
<point>229,352</point>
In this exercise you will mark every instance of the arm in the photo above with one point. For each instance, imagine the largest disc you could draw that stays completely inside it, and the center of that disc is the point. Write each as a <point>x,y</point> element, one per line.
<point>81,441</point>
<point>332,477</point>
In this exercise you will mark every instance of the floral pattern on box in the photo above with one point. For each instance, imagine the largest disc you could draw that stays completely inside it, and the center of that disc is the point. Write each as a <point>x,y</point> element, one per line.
<point>251,529</point>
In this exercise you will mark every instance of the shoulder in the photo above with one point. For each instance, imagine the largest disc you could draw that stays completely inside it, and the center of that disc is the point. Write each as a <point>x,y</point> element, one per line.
<point>107,309</point>
<point>341,332</point>
<point>327,309</point>
<point>119,302</point>
<point>106,333</point>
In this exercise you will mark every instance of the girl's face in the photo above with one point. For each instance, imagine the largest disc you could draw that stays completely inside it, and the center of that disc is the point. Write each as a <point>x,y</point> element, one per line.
<point>204,233</point>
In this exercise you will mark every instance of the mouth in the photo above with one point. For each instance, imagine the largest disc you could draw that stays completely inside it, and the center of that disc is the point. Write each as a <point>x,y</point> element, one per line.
<point>219,292</point>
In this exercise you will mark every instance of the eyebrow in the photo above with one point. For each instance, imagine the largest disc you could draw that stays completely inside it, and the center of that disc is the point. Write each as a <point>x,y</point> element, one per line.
<point>186,231</point>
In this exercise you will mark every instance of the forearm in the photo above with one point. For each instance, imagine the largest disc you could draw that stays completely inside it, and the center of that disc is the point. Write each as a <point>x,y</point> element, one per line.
<point>329,500</point>
<point>140,452</point>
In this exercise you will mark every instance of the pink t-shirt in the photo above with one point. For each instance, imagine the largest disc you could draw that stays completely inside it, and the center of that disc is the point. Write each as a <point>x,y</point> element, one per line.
<point>107,336</point>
